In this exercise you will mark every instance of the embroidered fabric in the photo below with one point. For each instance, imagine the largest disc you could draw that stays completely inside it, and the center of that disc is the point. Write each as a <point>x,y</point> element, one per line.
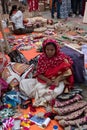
<point>58,103</point>
<point>15,72</point>
<point>79,121</point>
<point>71,108</point>
<point>71,116</point>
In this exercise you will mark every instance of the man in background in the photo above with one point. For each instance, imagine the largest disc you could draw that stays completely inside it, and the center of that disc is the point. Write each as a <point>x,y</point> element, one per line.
<point>5,6</point>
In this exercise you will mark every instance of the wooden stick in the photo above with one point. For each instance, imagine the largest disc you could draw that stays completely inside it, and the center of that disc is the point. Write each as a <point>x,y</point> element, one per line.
<point>4,35</point>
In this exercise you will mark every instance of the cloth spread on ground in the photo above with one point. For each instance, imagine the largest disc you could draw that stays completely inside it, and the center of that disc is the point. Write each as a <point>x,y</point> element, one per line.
<point>34,53</point>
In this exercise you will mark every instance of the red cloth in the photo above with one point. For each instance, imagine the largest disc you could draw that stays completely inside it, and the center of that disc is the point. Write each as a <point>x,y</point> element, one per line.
<point>50,67</point>
<point>45,63</point>
<point>32,5</point>
<point>54,71</point>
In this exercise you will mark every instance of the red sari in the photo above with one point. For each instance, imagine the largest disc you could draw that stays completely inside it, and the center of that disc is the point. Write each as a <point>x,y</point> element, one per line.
<point>32,5</point>
<point>55,65</point>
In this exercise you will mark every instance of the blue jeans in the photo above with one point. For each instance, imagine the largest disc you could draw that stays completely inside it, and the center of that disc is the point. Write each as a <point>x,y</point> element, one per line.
<point>24,2</point>
<point>57,4</point>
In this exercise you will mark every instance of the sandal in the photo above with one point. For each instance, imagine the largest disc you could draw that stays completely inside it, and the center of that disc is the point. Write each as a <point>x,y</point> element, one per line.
<point>66,96</point>
<point>76,91</point>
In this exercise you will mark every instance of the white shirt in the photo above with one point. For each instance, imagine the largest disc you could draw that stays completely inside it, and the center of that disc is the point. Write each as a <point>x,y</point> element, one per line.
<point>17,19</point>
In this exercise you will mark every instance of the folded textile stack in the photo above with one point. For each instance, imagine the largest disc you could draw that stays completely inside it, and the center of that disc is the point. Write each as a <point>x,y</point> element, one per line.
<point>71,109</point>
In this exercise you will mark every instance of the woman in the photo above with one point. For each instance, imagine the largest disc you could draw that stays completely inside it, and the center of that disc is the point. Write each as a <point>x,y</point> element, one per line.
<point>65,9</point>
<point>17,20</point>
<point>53,73</point>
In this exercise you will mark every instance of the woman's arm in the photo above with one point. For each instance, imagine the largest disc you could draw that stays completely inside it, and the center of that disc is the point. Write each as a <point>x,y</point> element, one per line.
<point>42,77</point>
<point>62,77</point>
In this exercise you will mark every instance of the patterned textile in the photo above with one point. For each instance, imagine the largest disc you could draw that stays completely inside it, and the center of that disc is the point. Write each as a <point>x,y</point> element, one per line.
<point>79,121</point>
<point>71,116</point>
<point>67,102</point>
<point>13,73</point>
<point>65,8</point>
<point>33,5</point>
<point>71,108</point>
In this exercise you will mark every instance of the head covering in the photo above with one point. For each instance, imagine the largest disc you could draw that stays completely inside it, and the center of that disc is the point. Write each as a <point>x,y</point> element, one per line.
<point>45,63</point>
<point>14,8</point>
<point>51,41</point>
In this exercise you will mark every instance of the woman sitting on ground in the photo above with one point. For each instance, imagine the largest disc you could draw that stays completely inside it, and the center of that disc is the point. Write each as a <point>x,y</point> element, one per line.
<point>18,25</point>
<point>54,73</point>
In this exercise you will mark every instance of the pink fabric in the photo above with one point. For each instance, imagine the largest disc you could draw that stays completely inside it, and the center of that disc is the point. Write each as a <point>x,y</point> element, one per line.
<point>32,5</point>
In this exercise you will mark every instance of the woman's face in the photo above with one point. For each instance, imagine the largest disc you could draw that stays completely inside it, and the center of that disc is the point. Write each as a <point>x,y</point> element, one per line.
<point>50,51</point>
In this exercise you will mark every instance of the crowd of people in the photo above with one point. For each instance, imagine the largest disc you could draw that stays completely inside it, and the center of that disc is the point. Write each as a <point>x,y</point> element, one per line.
<point>32,5</point>
<point>65,8</point>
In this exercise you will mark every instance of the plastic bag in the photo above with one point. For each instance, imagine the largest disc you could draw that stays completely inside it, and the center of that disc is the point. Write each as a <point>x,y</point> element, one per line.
<point>11,98</point>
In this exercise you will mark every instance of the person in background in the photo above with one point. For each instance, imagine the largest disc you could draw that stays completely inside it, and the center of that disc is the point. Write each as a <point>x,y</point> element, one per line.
<point>83,6</point>
<point>5,4</point>
<point>77,8</point>
<point>56,4</point>
<point>65,9</point>
<point>17,20</point>
<point>53,75</point>
<point>24,2</point>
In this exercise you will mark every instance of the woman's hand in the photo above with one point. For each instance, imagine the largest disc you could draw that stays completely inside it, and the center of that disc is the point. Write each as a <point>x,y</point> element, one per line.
<point>49,82</point>
<point>56,82</point>
<point>58,79</point>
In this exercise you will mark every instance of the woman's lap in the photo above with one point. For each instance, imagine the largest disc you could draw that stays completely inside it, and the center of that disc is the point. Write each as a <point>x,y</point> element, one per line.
<point>37,90</point>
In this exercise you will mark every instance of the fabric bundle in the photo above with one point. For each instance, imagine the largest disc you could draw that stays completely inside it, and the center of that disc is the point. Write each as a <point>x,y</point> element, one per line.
<point>71,112</point>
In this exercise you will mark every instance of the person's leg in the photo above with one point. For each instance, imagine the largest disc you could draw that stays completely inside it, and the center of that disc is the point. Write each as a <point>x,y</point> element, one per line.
<point>69,7</point>
<point>3,6</point>
<point>53,8</point>
<point>58,8</point>
<point>72,5</point>
<point>6,8</point>
<point>64,10</point>
<point>29,29</point>
<point>75,4</point>
<point>24,2</point>
<point>83,7</point>
<point>19,31</point>
<point>80,7</point>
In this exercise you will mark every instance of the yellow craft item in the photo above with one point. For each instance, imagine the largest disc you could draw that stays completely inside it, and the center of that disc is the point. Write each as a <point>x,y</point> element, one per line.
<point>25,124</point>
